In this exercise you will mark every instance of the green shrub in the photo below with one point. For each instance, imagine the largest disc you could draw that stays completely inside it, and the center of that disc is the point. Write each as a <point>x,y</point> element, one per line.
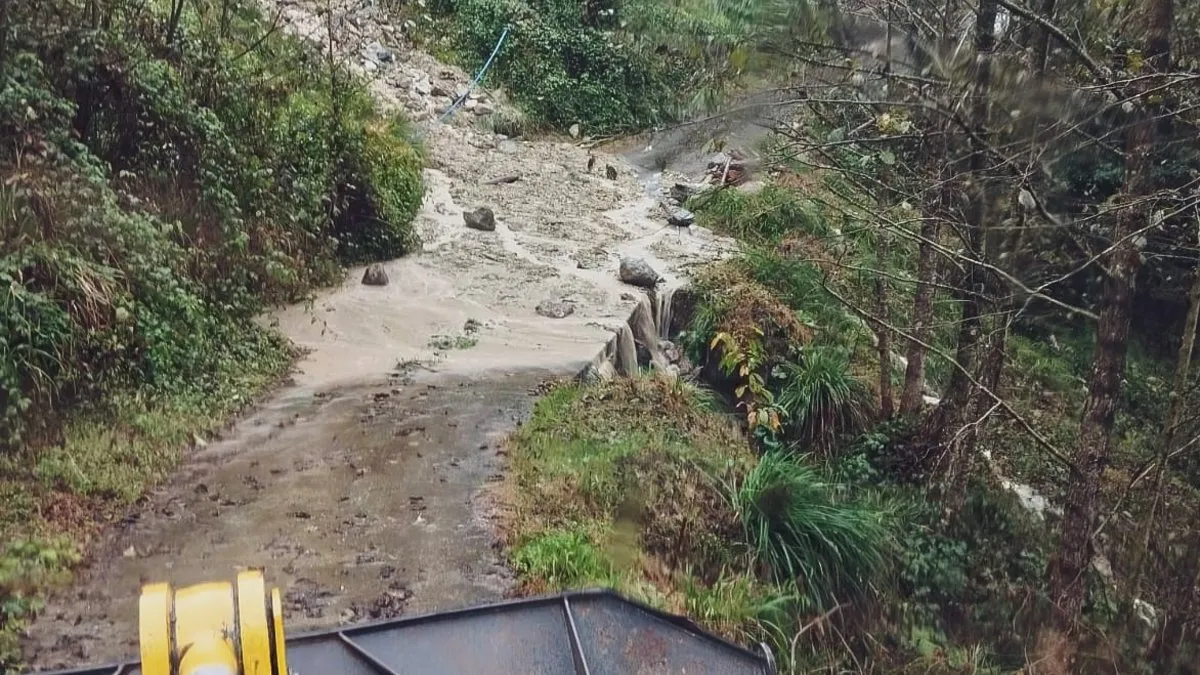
<point>563,69</point>
<point>769,214</point>
<point>27,565</point>
<point>821,399</point>
<point>562,559</point>
<point>163,196</point>
<point>801,530</point>
<point>386,194</point>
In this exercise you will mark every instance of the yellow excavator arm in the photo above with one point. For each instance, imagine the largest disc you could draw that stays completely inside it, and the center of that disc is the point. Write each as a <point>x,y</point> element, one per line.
<point>217,628</point>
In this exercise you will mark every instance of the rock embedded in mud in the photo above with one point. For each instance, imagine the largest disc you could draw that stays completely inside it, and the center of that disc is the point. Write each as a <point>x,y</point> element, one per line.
<point>680,217</point>
<point>378,53</point>
<point>681,192</point>
<point>638,272</point>
<point>555,309</point>
<point>481,219</point>
<point>375,276</point>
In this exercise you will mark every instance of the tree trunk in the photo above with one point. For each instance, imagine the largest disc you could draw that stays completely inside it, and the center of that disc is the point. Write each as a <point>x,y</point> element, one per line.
<point>922,315</point>
<point>1068,567</point>
<point>1166,442</point>
<point>951,413</point>
<point>886,397</point>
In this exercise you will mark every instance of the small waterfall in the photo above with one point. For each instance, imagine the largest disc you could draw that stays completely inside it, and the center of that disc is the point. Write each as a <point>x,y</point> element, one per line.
<point>645,334</point>
<point>626,362</point>
<point>662,311</point>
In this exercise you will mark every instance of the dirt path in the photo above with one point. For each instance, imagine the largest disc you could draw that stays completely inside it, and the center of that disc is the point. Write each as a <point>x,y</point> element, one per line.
<point>357,486</point>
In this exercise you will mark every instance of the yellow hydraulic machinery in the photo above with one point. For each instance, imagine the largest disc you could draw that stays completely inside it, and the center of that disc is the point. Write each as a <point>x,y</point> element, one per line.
<point>217,628</point>
<point>236,628</point>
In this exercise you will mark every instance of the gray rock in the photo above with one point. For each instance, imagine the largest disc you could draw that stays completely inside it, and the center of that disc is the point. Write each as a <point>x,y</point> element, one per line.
<point>681,217</point>
<point>378,53</point>
<point>375,276</point>
<point>439,89</point>
<point>638,272</point>
<point>555,309</point>
<point>470,104</point>
<point>423,87</point>
<point>370,66</point>
<point>481,218</point>
<point>681,192</point>
<point>483,109</point>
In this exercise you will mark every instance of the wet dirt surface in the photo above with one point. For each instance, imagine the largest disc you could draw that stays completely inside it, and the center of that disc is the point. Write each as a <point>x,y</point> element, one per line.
<point>363,504</point>
<point>358,485</point>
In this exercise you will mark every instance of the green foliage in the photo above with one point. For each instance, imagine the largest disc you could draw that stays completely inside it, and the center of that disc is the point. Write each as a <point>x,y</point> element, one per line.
<point>563,559</point>
<point>821,399</point>
<point>766,215</point>
<point>27,566</point>
<point>565,66</point>
<point>162,196</point>
<point>801,529</point>
<point>386,193</point>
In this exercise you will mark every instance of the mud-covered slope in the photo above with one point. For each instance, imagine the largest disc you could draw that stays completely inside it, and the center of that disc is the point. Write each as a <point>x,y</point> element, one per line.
<point>357,486</point>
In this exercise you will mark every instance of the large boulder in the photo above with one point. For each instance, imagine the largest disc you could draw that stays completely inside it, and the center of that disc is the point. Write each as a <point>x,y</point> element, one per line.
<point>375,276</point>
<point>481,219</point>
<point>638,272</point>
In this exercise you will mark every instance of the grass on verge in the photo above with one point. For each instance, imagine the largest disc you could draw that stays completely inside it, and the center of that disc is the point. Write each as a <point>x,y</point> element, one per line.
<point>640,485</point>
<point>54,501</point>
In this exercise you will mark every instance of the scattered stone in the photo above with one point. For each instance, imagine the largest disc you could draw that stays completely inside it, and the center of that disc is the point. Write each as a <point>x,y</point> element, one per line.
<point>483,109</point>
<point>439,89</point>
<point>423,87</point>
<point>502,180</point>
<point>375,276</point>
<point>574,130</point>
<point>481,219</point>
<point>470,104</point>
<point>681,217</point>
<point>370,66</point>
<point>681,192</point>
<point>378,53</point>
<point>638,272</point>
<point>555,309</point>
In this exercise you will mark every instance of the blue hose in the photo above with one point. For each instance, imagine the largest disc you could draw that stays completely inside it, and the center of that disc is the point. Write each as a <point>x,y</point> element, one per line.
<point>478,76</point>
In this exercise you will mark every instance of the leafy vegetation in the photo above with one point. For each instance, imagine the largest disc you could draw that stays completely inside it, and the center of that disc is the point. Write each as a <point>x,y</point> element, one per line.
<point>169,174</point>
<point>607,66</point>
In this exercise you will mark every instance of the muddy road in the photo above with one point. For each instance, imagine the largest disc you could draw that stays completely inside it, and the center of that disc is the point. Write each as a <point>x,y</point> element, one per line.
<point>361,503</point>
<point>358,484</point>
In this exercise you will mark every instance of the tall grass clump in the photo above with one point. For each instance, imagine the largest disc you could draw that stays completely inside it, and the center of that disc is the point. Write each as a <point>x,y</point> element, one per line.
<point>799,529</point>
<point>822,399</point>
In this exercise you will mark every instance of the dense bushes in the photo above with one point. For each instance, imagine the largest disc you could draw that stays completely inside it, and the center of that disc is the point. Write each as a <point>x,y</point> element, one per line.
<point>161,182</point>
<point>164,184</point>
<point>567,67</point>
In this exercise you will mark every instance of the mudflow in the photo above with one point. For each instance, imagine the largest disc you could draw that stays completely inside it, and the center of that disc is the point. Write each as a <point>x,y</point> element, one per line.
<point>358,484</point>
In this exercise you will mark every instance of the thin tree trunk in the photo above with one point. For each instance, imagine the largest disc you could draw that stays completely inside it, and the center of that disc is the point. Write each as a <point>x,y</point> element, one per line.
<point>1166,443</point>
<point>950,415</point>
<point>1068,566</point>
<point>886,397</point>
<point>922,315</point>
<point>1042,57</point>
